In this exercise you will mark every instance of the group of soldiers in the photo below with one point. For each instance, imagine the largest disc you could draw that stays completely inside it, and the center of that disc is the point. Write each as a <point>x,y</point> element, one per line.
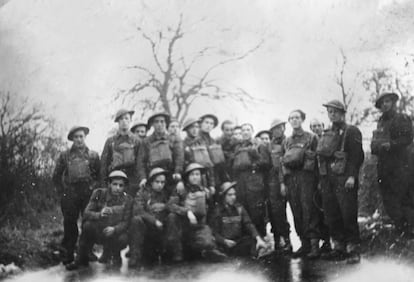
<point>171,199</point>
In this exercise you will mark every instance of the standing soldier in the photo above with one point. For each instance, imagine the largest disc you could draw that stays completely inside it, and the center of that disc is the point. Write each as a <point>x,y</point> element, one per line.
<point>139,129</point>
<point>250,162</point>
<point>192,128</point>
<point>299,184</point>
<point>340,158</point>
<point>227,144</point>
<point>234,231</point>
<point>277,201</point>
<point>215,171</point>
<point>161,150</point>
<point>317,127</point>
<point>264,136</point>
<point>174,128</point>
<point>390,143</point>
<point>75,176</point>
<point>120,151</point>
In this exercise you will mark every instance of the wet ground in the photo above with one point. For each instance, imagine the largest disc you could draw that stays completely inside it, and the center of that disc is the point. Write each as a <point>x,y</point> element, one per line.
<point>275,269</point>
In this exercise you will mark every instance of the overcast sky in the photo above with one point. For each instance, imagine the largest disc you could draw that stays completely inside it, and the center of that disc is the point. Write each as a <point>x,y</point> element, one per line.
<point>71,55</point>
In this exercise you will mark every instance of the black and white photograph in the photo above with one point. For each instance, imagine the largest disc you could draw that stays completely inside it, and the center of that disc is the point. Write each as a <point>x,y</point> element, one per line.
<point>207,141</point>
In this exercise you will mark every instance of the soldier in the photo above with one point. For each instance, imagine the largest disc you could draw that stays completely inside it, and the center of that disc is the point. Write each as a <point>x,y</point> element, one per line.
<point>192,207</point>
<point>215,171</point>
<point>106,221</point>
<point>317,127</point>
<point>120,151</point>
<point>75,176</point>
<point>192,128</point>
<point>237,133</point>
<point>234,231</point>
<point>340,158</point>
<point>153,232</point>
<point>390,142</point>
<point>161,150</point>
<point>264,136</point>
<point>250,162</point>
<point>277,201</point>
<point>299,184</point>
<point>139,129</point>
<point>174,128</point>
<point>227,144</point>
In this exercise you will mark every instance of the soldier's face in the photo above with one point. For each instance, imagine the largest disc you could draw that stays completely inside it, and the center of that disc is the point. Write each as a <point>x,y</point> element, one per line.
<point>278,131</point>
<point>207,125</point>
<point>79,138</point>
<point>194,177</point>
<point>247,132</point>
<point>387,104</point>
<point>335,115</point>
<point>237,134</point>
<point>228,129</point>
<point>295,120</point>
<point>117,186</point>
<point>194,130</point>
<point>316,127</point>
<point>230,197</point>
<point>124,122</point>
<point>265,138</point>
<point>158,183</point>
<point>159,124</point>
<point>141,131</point>
<point>174,128</point>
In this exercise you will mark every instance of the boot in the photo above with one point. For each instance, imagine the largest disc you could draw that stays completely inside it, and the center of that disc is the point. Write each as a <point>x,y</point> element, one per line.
<point>116,259</point>
<point>326,247</point>
<point>213,255</point>
<point>67,258</point>
<point>287,247</point>
<point>353,258</point>
<point>92,256</point>
<point>105,257</point>
<point>334,255</point>
<point>79,263</point>
<point>303,250</point>
<point>314,249</point>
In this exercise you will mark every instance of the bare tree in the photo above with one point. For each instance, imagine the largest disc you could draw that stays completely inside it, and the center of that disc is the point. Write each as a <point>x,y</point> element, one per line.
<point>355,114</point>
<point>176,82</point>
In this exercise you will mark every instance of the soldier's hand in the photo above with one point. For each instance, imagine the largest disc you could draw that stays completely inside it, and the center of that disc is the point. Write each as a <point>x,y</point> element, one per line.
<point>192,218</point>
<point>143,183</point>
<point>158,224</point>
<point>177,177</point>
<point>350,183</point>
<point>212,190</point>
<point>260,244</point>
<point>283,190</point>
<point>106,211</point>
<point>180,188</point>
<point>109,231</point>
<point>229,243</point>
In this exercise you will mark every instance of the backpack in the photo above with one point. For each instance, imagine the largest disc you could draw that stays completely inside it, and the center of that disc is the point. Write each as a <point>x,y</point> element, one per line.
<point>294,156</point>
<point>328,144</point>
<point>201,155</point>
<point>122,155</point>
<point>160,153</point>
<point>78,169</point>
<point>216,154</point>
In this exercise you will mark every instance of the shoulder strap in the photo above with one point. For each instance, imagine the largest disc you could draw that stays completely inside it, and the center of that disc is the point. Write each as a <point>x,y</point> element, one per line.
<point>343,138</point>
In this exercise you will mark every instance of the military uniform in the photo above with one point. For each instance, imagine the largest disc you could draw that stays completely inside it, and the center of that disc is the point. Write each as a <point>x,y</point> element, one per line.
<point>299,161</point>
<point>120,152</point>
<point>75,176</point>
<point>227,145</point>
<point>147,242</point>
<point>341,205</point>
<point>249,163</point>
<point>277,202</point>
<point>94,224</point>
<point>163,151</point>
<point>233,223</point>
<point>197,238</point>
<point>393,164</point>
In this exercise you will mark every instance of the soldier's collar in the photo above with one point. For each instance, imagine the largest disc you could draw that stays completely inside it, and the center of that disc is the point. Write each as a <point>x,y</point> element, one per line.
<point>163,135</point>
<point>83,148</point>
<point>298,132</point>
<point>128,133</point>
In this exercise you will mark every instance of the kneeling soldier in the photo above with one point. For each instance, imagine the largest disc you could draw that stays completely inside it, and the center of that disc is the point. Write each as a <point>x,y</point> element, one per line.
<point>192,206</point>
<point>106,220</point>
<point>234,231</point>
<point>152,233</point>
